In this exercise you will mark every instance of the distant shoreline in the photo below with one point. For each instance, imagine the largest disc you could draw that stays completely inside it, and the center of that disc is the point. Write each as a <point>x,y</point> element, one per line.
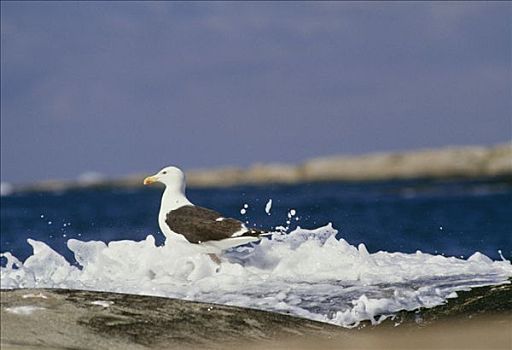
<point>448,162</point>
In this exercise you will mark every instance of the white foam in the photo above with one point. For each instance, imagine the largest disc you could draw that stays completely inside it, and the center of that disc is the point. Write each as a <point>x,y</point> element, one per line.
<point>103,303</point>
<point>307,273</point>
<point>31,295</point>
<point>268,206</point>
<point>452,295</point>
<point>23,310</point>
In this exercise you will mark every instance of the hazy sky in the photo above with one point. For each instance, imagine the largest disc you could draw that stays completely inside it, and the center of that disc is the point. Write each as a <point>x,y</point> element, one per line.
<point>129,87</point>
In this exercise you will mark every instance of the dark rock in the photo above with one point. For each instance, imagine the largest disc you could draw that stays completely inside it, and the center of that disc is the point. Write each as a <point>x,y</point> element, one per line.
<point>482,301</point>
<point>73,319</point>
<point>86,319</point>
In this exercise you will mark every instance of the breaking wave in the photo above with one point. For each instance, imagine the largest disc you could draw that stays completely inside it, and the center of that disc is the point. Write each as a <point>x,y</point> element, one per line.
<point>307,273</point>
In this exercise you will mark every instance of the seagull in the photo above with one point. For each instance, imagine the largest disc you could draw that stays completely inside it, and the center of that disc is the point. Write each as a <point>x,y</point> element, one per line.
<point>180,219</point>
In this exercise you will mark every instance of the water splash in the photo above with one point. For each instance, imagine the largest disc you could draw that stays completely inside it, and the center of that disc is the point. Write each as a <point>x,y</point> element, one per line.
<point>307,273</point>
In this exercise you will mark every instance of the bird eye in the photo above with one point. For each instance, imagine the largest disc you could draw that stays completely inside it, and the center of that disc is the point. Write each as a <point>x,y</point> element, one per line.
<point>164,172</point>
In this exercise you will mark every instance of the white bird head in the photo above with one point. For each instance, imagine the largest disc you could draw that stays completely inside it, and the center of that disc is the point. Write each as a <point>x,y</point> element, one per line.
<point>173,178</point>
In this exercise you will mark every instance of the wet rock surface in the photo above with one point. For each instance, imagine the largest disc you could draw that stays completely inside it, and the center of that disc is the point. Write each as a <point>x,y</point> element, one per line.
<point>72,319</point>
<point>55,318</point>
<point>467,306</point>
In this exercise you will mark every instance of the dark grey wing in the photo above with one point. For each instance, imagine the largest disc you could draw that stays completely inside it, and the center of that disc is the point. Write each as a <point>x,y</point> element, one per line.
<point>198,224</point>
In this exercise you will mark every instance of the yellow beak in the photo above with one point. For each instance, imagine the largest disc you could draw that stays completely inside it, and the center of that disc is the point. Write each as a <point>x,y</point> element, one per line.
<point>149,180</point>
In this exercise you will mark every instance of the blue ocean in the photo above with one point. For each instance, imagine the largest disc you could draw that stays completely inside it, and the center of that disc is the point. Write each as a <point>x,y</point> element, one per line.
<point>454,218</point>
<point>351,251</point>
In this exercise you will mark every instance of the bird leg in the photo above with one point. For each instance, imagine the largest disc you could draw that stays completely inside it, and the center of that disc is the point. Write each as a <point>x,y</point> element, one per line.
<point>214,258</point>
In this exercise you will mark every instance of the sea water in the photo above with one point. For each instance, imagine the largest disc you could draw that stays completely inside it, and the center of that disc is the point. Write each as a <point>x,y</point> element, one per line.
<point>339,252</point>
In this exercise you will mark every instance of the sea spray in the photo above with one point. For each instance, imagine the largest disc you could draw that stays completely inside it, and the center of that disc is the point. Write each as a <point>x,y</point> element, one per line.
<point>307,273</point>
